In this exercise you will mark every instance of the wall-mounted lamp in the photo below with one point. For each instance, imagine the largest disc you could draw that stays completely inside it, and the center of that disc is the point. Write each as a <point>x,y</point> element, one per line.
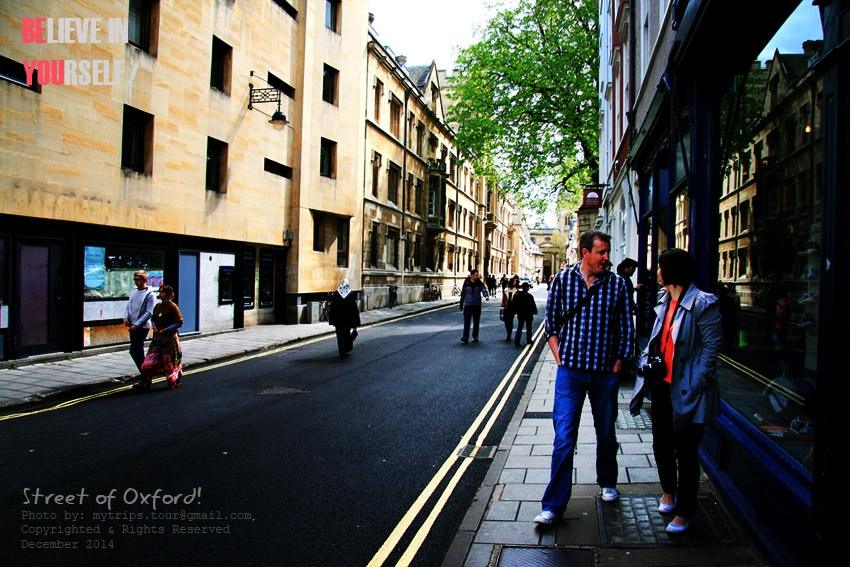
<point>271,94</point>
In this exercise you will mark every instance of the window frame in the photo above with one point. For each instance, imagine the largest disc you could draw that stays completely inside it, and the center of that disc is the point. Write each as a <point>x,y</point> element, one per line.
<point>327,158</point>
<point>221,65</point>
<point>138,142</point>
<point>213,145</point>
<point>330,85</point>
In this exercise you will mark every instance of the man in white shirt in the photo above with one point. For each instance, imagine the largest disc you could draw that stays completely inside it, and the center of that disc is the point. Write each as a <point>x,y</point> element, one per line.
<point>137,316</point>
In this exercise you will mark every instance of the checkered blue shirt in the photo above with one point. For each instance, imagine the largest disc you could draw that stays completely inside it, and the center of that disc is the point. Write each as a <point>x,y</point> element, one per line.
<point>601,331</point>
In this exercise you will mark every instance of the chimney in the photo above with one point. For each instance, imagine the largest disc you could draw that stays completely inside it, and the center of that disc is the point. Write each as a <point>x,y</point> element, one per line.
<point>401,60</point>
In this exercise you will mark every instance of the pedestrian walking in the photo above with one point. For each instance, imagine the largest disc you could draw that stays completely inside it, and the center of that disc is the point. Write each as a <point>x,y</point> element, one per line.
<point>590,332</point>
<point>626,269</point>
<point>470,304</point>
<point>525,308</point>
<point>504,281</point>
<point>345,317</point>
<point>137,316</point>
<point>491,285</point>
<point>507,308</point>
<point>165,356</point>
<point>678,369</point>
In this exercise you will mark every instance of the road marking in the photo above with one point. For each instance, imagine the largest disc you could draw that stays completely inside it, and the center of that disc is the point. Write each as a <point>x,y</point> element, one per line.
<point>511,377</point>
<point>306,342</point>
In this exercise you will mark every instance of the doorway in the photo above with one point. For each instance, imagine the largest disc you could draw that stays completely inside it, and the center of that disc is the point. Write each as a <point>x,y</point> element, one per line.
<point>39,283</point>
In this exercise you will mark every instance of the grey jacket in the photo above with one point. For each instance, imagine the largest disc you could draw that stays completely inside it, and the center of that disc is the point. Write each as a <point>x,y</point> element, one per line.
<point>697,335</point>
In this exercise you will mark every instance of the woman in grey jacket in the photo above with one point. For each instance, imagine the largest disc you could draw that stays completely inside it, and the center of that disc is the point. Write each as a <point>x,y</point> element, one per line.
<point>687,336</point>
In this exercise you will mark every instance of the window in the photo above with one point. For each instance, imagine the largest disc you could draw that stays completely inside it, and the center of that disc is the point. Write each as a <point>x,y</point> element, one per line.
<point>277,168</point>
<point>332,15</point>
<point>744,211</point>
<point>108,272</point>
<point>281,85</point>
<point>395,117</point>
<point>330,80</point>
<point>376,172</point>
<point>420,202</point>
<point>434,98</point>
<point>267,270</point>
<point>287,7</point>
<point>137,141</point>
<point>392,247</point>
<point>420,138</point>
<point>142,24</point>
<point>220,67</point>
<point>342,243</point>
<point>373,245</point>
<point>318,232</point>
<point>14,72</point>
<point>411,195</point>
<point>393,177</point>
<point>249,266</point>
<point>742,262</point>
<point>225,284</point>
<point>216,165</point>
<point>379,93</point>
<point>327,159</point>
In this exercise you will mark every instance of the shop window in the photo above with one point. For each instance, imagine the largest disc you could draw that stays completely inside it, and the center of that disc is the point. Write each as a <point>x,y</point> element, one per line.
<point>768,367</point>
<point>143,25</point>
<point>108,271</point>
<point>267,268</point>
<point>249,266</point>
<point>4,300</point>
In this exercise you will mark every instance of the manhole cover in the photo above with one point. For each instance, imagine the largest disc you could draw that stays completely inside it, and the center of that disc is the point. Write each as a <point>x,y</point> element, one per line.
<point>281,391</point>
<point>625,420</point>
<point>634,521</point>
<point>545,557</point>
<point>469,452</point>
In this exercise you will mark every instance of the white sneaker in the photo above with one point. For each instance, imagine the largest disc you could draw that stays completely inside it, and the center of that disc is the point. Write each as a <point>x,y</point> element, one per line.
<point>665,507</point>
<point>545,518</point>
<point>610,494</point>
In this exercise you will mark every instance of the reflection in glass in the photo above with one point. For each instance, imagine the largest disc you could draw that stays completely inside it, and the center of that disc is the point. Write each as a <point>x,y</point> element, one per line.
<point>770,233</point>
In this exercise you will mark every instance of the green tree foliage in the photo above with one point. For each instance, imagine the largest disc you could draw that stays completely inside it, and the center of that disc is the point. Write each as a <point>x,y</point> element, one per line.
<point>526,100</point>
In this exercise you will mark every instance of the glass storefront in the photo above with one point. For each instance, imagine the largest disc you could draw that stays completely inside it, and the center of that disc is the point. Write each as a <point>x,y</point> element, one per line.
<point>770,220</point>
<point>108,278</point>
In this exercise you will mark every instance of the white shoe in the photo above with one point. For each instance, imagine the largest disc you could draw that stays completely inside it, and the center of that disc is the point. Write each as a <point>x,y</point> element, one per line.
<point>545,518</point>
<point>610,494</point>
<point>664,507</point>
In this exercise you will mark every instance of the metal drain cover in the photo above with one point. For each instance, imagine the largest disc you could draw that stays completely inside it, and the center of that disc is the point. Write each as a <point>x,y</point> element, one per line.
<point>281,391</point>
<point>545,557</point>
<point>475,452</point>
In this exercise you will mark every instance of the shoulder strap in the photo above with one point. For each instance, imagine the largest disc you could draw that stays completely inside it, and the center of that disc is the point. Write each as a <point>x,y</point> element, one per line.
<point>582,302</point>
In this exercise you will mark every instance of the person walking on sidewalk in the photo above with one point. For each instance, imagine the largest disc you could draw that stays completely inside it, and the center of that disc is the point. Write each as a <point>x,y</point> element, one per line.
<point>137,316</point>
<point>525,308</point>
<point>345,317</point>
<point>686,336</point>
<point>165,357</point>
<point>470,304</point>
<point>590,332</point>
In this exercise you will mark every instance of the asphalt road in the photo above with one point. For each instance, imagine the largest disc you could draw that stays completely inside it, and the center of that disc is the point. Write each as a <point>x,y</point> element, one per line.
<point>295,458</point>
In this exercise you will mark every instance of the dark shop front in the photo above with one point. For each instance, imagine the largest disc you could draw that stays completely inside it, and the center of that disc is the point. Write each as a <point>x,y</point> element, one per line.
<point>743,159</point>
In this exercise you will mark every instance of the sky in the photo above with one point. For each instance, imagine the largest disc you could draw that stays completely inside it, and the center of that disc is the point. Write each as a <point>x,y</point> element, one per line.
<point>426,30</point>
<point>803,24</point>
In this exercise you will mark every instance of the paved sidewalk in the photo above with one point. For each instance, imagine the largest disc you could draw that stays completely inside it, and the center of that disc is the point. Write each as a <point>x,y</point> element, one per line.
<point>498,529</point>
<point>31,381</point>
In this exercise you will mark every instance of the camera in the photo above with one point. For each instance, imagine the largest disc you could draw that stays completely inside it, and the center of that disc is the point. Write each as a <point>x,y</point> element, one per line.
<point>654,369</point>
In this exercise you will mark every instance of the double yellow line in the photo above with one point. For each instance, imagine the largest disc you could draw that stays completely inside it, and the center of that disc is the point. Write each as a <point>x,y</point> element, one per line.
<point>493,408</point>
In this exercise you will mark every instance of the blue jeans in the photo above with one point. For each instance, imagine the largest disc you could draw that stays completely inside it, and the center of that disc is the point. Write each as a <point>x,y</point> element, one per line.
<point>570,389</point>
<point>471,313</point>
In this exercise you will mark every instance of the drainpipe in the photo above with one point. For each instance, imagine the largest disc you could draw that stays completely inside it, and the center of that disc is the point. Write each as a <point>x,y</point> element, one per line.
<point>365,161</point>
<point>404,185</point>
